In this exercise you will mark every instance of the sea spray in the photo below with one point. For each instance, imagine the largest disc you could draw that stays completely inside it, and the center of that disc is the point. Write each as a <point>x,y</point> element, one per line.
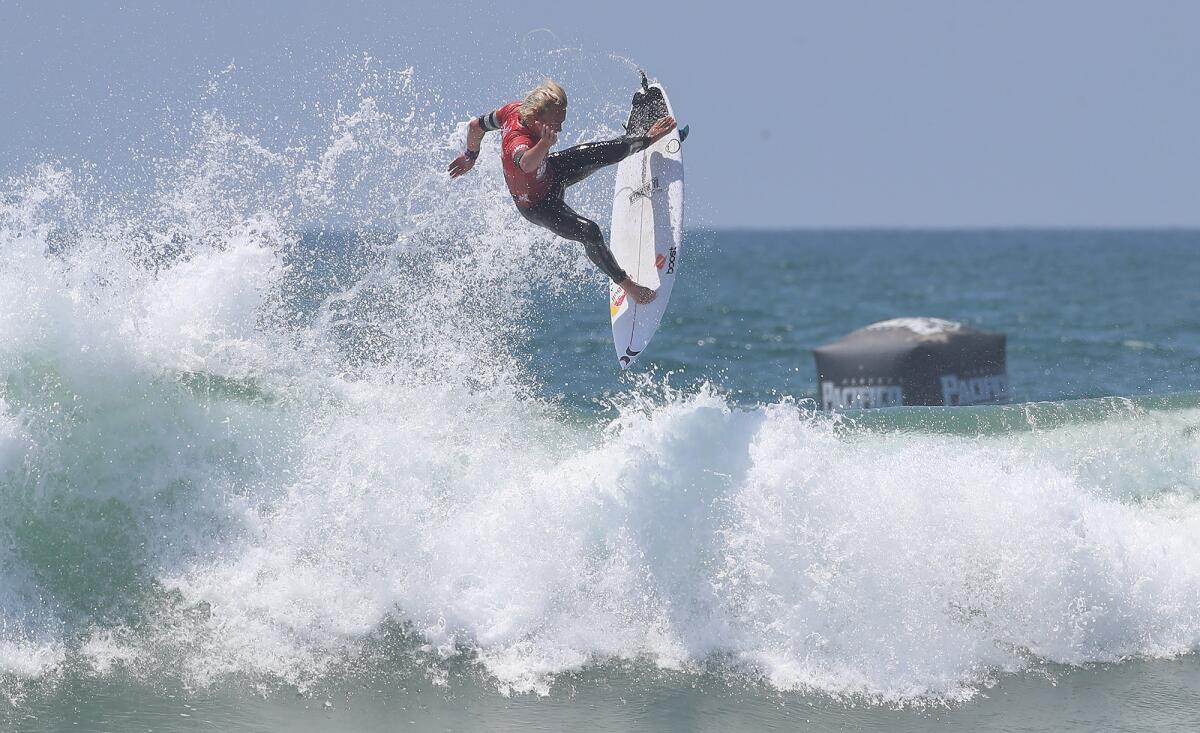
<point>168,358</point>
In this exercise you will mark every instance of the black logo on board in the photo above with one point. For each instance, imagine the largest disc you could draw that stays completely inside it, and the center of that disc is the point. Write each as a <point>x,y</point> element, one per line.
<point>647,188</point>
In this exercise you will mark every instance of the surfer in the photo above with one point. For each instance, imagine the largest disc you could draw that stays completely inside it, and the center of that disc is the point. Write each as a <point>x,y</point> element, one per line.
<point>537,178</point>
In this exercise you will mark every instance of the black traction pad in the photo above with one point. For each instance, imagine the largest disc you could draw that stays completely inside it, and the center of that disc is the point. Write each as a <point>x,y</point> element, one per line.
<point>648,106</point>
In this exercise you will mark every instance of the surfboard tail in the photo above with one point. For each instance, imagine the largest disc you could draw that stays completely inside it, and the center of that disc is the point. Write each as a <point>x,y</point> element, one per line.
<point>628,358</point>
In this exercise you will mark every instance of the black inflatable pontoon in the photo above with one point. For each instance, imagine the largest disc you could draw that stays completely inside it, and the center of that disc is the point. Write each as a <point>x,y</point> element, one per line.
<point>913,361</point>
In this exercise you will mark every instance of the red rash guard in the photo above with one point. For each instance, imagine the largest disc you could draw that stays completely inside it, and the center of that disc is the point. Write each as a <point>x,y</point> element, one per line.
<point>527,189</point>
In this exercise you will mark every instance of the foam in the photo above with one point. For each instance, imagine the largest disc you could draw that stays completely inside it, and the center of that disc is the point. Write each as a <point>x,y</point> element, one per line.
<point>894,567</point>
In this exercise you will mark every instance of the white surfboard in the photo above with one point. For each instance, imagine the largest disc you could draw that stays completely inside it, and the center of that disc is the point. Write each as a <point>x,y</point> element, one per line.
<point>647,225</point>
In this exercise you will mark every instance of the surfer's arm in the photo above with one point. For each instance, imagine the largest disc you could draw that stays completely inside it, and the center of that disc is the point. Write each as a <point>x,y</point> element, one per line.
<point>530,159</point>
<point>465,162</point>
<point>475,133</point>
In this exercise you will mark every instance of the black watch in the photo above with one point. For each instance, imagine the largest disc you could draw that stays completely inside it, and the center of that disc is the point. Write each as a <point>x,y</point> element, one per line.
<point>471,154</point>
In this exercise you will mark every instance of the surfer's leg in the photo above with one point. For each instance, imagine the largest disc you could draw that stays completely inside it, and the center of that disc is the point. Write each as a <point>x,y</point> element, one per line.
<point>577,163</point>
<point>554,214</point>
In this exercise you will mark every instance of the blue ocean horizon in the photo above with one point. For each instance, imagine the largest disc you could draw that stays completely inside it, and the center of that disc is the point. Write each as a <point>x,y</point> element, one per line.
<point>1074,303</point>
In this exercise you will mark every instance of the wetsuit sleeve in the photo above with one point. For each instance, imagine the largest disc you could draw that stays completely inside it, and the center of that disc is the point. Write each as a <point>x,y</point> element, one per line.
<point>496,119</point>
<point>490,122</point>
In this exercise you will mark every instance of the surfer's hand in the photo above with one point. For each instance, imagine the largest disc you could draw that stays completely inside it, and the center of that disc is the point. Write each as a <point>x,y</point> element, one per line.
<point>639,293</point>
<point>661,129</point>
<point>461,165</point>
<point>549,135</point>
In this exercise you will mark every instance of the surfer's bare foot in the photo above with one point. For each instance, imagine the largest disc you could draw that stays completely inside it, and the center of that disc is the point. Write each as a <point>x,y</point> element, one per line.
<point>661,129</point>
<point>639,293</point>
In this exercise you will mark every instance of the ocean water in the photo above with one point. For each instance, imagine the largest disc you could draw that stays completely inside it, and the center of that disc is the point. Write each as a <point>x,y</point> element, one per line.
<point>258,475</point>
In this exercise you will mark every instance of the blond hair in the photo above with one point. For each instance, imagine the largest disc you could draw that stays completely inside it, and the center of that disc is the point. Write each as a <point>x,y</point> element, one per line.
<point>546,94</point>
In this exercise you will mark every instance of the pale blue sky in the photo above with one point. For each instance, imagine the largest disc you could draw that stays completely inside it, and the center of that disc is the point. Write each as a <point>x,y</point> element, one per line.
<point>804,114</point>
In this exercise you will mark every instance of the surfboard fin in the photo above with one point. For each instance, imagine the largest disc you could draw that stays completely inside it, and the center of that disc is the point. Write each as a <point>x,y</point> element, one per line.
<point>683,132</point>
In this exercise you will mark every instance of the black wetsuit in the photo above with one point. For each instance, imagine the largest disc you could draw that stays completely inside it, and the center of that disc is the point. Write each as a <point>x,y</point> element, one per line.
<point>569,167</point>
